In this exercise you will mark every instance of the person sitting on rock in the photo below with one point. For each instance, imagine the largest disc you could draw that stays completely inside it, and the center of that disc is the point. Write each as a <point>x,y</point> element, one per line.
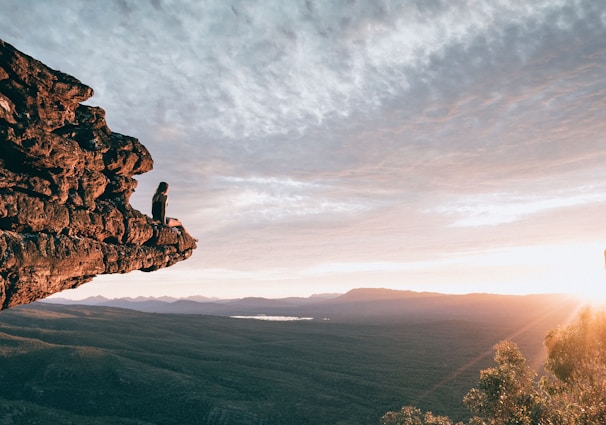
<point>159,206</point>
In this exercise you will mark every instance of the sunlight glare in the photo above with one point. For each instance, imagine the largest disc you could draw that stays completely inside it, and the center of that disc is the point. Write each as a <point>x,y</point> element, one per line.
<point>582,273</point>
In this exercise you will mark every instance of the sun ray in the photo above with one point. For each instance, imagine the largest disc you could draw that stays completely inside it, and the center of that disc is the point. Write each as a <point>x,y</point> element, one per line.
<point>535,363</point>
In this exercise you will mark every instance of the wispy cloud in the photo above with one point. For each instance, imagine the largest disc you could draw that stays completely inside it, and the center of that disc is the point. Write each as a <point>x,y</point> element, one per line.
<point>245,69</point>
<point>500,208</point>
<point>271,200</point>
<point>296,134</point>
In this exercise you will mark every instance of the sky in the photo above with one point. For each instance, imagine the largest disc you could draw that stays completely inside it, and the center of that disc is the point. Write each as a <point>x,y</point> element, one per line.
<point>319,146</point>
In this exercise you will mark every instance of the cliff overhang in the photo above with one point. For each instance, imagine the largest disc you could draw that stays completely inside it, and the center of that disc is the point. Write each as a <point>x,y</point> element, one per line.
<point>65,184</point>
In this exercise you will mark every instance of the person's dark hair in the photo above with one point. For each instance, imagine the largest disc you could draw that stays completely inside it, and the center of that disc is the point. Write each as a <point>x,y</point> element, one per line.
<point>162,188</point>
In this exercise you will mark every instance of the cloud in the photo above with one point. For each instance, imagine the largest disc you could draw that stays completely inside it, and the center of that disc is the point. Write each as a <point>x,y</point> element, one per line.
<point>302,133</point>
<point>262,87</point>
<point>251,69</point>
<point>255,200</point>
<point>500,208</point>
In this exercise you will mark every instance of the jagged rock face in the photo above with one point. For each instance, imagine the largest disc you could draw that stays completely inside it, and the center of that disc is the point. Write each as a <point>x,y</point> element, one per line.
<point>65,184</point>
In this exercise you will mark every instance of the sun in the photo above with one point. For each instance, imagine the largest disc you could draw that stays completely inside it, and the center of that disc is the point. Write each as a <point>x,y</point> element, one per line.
<point>575,269</point>
<point>595,296</point>
<point>590,285</point>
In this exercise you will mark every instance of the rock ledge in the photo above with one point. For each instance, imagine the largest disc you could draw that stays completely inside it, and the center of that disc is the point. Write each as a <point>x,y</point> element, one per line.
<point>65,184</point>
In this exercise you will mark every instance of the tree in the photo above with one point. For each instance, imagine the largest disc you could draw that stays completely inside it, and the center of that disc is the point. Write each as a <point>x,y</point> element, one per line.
<point>576,386</point>
<point>507,393</point>
<point>573,392</point>
<point>409,415</point>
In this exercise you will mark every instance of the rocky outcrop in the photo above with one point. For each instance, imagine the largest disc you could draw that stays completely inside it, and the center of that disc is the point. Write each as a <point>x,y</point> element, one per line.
<point>65,184</point>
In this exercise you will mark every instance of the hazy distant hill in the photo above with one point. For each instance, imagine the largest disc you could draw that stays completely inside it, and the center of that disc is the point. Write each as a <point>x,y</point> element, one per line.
<point>99,365</point>
<point>363,303</point>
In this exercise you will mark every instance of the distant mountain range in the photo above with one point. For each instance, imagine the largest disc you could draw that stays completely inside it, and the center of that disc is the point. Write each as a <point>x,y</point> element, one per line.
<point>363,303</point>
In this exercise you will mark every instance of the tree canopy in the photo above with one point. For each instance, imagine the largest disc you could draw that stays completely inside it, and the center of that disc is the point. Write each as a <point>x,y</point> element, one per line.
<point>571,392</point>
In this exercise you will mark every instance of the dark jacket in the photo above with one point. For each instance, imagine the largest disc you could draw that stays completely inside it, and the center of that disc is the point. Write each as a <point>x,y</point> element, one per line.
<point>159,207</point>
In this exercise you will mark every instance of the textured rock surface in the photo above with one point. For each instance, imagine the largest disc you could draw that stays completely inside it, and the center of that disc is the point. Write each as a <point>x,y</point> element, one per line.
<point>65,184</point>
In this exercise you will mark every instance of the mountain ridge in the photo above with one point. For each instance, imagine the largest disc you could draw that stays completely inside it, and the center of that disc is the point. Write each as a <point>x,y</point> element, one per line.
<point>378,303</point>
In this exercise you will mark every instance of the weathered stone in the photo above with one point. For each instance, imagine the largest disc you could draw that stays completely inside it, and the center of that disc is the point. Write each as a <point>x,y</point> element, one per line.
<point>65,182</point>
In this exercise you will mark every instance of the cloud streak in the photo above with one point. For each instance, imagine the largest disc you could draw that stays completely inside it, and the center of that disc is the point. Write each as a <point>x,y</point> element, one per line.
<point>302,133</point>
<point>250,69</point>
<point>501,208</point>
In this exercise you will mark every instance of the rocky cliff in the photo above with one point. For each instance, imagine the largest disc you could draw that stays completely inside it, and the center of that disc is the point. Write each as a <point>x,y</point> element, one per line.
<point>65,184</point>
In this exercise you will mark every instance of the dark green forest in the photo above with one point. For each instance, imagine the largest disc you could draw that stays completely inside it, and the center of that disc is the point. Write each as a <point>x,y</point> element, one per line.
<point>101,365</point>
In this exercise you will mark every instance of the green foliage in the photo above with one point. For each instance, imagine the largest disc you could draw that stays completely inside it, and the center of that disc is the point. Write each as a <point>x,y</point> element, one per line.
<point>412,416</point>
<point>572,393</point>
<point>507,394</point>
<point>576,388</point>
